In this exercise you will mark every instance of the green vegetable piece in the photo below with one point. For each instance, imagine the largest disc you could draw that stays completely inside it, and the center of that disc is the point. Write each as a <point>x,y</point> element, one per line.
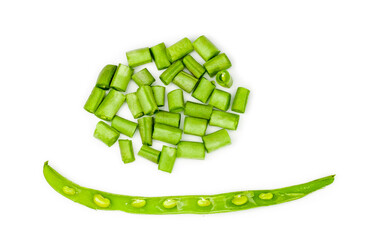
<point>167,158</point>
<point>126,150</point>
<point>134,105</point>
<point>170,203</point>
<point>110,105</point>
<point>224,79</point>
<point>143,77</point>
<point>159,53</point>
<point>176,101</point>
<point>69,191</point>
<point>266,196</point>
<point>189,204</point>
<point>94,100</point>
<point>167,133</point>
<point>203,90</point>
<point>220,99</point>
<point>106,134</point>
<point>224,120</point>
<point>159,95</point>
<point>138,57</point>
<point>149,153</point>
<point>105,76</point>
<point>145,128</point>
<point>179,49</point>
<point>240,100</point>
<point>168,75</point>
<point>198,110</point>
<point>216,140</point>
<point>168,118</point>
<point>185,81</point>
<point>216,64</point>
<point>121,78</point>
<point>195,126</point>
<point>124,126</point>
<point>147,100</point>
<point>193,66</point>
<point>239,200</point>
<point>205,48</point>
<point>192,150</point>
<point>138,203</point>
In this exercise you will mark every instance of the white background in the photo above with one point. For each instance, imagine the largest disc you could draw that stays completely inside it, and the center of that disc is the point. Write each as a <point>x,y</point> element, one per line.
<point>305,62</point>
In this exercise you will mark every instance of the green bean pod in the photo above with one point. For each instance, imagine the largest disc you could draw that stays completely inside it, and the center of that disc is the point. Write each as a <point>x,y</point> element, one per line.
<point>203,90</point>
<point>189,204</point>
<point>193,66</point>
<point>159,53</point>
<point>198,110</point>
<point>134,105</point>
<point>205,48</point>
<point>167,133</point>
<point>224,79</point>
<point>168,118</point>
<point>176,101</point>
<point>94,100</point>
<point>192,150</point>
<point>220,99</point>
<point>149,153</point>
<point>143,77</point>
<point>110,105</point>
<point>216,64</point>
<point>126,150</point>
<point>240,100</point>
<point>195,126</point>
<point>179,49</point>
<point>216,140</point>
<point>167,158</point>
<point>124,126</point>
<point>105,76</point>
<point>106,134</point>
<point>168,75</point>
<point>185,81</point>
<point>224,120</point>
<point>159,95</point>
<point>121,78</point>
<point>147,100</point>
<point>145,125</point>
<point>138,57</point>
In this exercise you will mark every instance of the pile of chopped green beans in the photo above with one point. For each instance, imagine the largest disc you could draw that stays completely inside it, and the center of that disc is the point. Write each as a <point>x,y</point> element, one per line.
<point>192,77</point>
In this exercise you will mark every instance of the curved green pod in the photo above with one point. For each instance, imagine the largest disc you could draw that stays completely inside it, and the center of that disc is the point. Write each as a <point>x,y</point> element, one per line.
<point>190,204</point>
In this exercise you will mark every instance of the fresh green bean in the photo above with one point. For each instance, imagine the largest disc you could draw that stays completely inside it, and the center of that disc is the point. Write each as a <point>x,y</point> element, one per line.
<point>195,126</point>
<point>168,118</point>
<point>176,101</point>
<point>216,140</point>
<point>167,133</point>
<point>105,76</point>
<point>203,90</point>
<point>192,150</point>
<point>149,153</point>
<point>159,95</point>
<point>106,134</point>
<point>121,78</point>
<point>198,110</point>
<point>193,66</point>
<point>167,158</point>
<point>190,204</point>
<point>159,53</point>
<point>124,126</point>
<point>143,77</point>
<point>110,105</point>
<point>126,150</point>
<point>220,99</point>
<point>224,120</point>
<point>168,75</point>
<point>138,57</point>
<point>216,64</point>
<point>94,100</point>
<point>205,48</point>
<point>134,105</point>
<point>185,81</point>
<point>240,100</point>
<point>147,100</point>
<point>224,79</point>
<point>145,128</point>
<point>179,49</point>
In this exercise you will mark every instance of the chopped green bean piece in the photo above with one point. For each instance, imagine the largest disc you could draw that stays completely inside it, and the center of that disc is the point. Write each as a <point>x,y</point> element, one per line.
<point>159,95</point>
<point>145,128</point>
<point>185,81</point>
<point>167,133</point>
<point>193,150</point>
<point>224,120</point>
<point>176,101</point>
<point>143,77</point>
<point>205,48</point>
<point>179,49</point>
<point>203,90</point>
<point>193,66</point>
<point>134,105</point>
<point>240,100</point>
<point>216,64</point>
<point>224,79</point>
<point>147,100</point>
<point>106,134</point>
<point>149,153</point>
<point>168,118</point>
<point>105,76</point>
<point>198,110</point>
<point>94,100</point>
<point>159,53</point>
<point>110,105</point>
<point>220,99</point>
<point>168,75</point>
<point>126,150</point>
<point>195,126</point>
<point>167,158</point>
<point>124,126</point>
<point>216,140</point>
<point>138,57</point>
<point>121,78</point>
